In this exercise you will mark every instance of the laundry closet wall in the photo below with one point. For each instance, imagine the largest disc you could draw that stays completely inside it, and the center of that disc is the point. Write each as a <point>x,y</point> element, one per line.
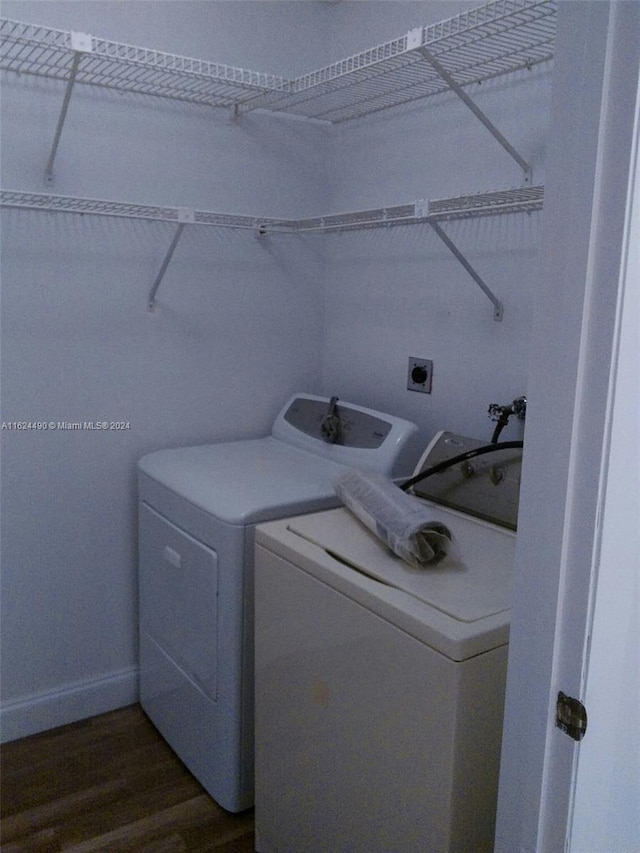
<point>242,322</point>
<point>397,292</point>
<point>238,327</point>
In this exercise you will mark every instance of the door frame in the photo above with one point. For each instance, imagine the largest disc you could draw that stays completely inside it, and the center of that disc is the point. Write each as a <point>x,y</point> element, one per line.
<point>564,464</point>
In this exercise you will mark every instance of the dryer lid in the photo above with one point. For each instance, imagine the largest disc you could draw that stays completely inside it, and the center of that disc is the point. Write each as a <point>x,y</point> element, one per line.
<point>244,482</point>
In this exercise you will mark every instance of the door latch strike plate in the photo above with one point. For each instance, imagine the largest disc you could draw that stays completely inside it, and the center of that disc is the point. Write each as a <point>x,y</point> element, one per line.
<point>571,716</point>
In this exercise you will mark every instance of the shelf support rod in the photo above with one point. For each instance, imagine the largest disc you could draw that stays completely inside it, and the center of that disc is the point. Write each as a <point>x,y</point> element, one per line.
<point>48,174</point>
<point>80,43</point>
<point>497,305</point>
<point>165,264</point>
<point>475,109</point>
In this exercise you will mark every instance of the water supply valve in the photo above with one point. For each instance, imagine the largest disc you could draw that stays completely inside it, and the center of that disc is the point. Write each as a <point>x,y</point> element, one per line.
<point>501,414</point>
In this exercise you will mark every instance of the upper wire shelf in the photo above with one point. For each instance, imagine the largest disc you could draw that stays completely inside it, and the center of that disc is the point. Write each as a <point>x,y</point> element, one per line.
<point>43,51</point>
<point>500,37</point>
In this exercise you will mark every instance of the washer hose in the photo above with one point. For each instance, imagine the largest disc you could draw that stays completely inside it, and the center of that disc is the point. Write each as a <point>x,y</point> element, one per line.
<point>463,457</point>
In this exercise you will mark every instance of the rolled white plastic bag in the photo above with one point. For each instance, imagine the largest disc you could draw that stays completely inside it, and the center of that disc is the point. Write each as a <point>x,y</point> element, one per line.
<point>400,520</point>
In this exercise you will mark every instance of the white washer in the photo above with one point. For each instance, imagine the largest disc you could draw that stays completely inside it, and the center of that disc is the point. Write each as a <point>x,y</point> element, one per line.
<point>198,507</point>
<point>379,687</point>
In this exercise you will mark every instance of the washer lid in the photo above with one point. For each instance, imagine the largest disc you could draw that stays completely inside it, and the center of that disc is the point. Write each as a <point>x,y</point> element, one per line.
<point>472,583</point>
<point>244,482</point>
<point>460,608</point>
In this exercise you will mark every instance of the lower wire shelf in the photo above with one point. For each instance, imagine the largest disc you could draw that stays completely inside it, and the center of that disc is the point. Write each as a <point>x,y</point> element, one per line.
<point>519,200</point>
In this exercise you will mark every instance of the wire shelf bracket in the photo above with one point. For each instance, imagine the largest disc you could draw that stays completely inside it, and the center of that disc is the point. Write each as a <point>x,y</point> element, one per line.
<point>81,44</point>
<point>423,209</point>
<point>185,215</point>
<point>498,309</point>
<point>475,109</point>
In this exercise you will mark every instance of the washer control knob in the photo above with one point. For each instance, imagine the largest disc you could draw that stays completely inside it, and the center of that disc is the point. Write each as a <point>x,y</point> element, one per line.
<point>496,474</point>
<point>330,424</point>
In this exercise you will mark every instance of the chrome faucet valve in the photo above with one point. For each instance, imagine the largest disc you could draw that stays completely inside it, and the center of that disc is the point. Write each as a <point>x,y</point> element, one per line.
<point>519,406</point>
<point>501,414</point>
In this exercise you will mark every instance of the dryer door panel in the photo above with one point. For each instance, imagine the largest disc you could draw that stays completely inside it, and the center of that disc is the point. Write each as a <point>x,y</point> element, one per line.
<point>179,597</point>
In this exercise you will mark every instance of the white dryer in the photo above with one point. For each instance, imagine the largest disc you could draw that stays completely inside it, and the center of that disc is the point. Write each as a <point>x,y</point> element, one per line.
<point>198,507</point>
<point>380,687</point>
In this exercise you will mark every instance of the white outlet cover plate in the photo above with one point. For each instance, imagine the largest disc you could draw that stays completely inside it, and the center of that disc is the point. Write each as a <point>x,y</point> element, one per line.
<point>427,365</point>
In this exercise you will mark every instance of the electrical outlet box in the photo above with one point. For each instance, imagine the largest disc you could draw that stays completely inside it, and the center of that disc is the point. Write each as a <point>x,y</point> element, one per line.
<point>420,374</point>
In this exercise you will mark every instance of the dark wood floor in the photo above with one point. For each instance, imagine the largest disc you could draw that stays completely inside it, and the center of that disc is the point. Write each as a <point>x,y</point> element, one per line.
<point>109,784</point>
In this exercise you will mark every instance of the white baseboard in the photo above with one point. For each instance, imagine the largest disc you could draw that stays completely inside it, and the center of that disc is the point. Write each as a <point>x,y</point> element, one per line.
<point>67,704</point>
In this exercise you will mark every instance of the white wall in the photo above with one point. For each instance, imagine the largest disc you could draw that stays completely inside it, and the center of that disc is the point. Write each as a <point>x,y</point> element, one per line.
<point>242,323</point>
<point>238,329</point>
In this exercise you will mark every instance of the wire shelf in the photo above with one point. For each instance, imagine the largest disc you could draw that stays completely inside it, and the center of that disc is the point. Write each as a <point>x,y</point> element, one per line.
<point>31,49</point>
<point>519,200</point>
<point>127,210</point>
<point>525,199</point>
<point>501,37</point>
